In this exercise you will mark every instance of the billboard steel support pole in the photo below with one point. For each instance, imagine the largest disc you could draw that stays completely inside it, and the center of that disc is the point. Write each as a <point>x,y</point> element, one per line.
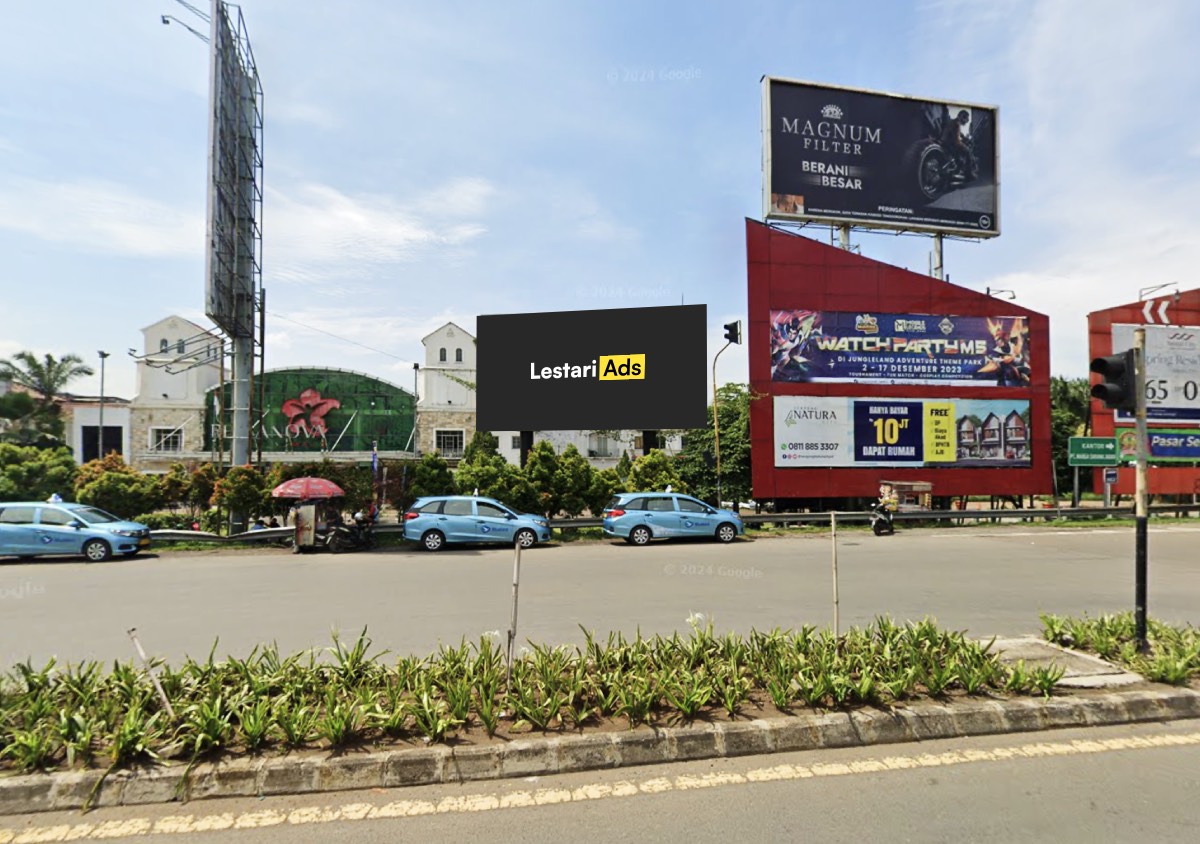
<point>939,270</point>
<point>1140,564</point>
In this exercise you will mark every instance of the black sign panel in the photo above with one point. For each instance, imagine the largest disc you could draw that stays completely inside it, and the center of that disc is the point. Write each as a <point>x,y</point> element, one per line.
<point>846,156</point>
<point>622,369</point>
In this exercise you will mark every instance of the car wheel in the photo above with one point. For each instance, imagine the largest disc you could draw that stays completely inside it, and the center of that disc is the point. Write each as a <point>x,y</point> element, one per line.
<point>97,550</point>
<point>640,535</point>
<point>433,540</point>
<point>525,538</point>
<point>726,532</point>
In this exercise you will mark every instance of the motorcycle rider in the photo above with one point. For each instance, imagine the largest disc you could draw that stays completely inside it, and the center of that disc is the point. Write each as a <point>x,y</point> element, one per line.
<point>887,504</point>
<point>952,140</point>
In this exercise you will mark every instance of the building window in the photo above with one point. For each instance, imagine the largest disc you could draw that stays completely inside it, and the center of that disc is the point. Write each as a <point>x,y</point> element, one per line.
<point>449,443</point>
<point>163,345</point>
<point>442,355</point>
<point>180,347</point>
<point>458,355</point>
<point>166,439</point>
<point>516,442</point>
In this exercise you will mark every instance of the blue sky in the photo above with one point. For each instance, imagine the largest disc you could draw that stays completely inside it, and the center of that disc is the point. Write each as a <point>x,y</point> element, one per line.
<point>431,162</point>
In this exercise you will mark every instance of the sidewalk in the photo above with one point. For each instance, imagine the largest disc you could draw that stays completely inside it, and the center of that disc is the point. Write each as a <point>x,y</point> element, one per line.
<point>1091,693</point>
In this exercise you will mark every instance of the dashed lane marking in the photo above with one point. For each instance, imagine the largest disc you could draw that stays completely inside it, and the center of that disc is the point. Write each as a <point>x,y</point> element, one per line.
<point>488,802</point>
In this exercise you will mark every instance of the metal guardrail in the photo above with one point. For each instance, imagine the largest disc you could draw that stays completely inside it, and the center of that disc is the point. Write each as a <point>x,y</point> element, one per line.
<point>822,518</point>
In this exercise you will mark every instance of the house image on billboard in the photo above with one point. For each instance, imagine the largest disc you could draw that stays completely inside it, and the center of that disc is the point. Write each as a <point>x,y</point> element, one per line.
<point>1016,437</point>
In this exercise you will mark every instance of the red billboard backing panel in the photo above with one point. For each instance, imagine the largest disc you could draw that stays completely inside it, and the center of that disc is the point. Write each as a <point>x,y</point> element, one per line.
<point>845,383</point>
<point>1175,312</point>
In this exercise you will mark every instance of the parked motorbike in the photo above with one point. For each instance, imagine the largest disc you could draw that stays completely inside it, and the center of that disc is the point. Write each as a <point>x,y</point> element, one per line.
<point>881,520</point>
<point>356,536</point>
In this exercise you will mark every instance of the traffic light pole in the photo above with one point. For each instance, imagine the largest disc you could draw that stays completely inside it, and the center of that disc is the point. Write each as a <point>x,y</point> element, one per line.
<point>1141,508</point>
<point>717,424</point>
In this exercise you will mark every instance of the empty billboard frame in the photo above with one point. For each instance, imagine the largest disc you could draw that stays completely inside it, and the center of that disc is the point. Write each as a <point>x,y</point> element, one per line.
<point>233,257</point>
<point>848,156</point>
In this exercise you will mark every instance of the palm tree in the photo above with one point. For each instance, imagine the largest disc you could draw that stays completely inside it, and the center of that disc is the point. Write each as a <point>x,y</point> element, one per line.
<point>45,379</point>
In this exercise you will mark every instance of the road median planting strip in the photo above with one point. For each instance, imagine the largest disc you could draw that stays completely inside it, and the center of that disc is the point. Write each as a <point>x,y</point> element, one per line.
<point>538,756</point>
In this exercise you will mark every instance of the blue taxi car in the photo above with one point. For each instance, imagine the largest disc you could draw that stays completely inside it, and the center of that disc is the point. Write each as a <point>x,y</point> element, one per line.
<point>435,521</point>
<point>638,517</point>
<point>38,528</point>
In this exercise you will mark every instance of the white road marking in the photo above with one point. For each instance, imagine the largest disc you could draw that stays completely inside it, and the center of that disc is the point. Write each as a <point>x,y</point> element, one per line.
<point>492,801</point>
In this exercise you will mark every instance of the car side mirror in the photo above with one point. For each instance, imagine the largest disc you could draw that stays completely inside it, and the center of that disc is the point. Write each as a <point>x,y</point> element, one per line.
<point>78,525</point>
<point>510,516</point>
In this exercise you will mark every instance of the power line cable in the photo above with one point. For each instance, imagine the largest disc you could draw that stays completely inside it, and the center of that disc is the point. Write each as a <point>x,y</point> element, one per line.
<point>337,337</point>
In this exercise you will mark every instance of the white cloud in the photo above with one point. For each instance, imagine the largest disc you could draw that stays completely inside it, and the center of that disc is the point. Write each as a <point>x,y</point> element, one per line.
<point>100,217</point>
<point>315,232</point>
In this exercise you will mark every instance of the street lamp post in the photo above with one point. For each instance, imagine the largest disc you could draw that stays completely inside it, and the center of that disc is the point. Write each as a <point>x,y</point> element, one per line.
<point>100,449</point>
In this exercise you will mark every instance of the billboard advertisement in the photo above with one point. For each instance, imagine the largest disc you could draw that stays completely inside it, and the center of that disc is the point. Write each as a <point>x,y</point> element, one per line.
<point>856,347</point>
<point>850,156</point>
<point>233,270</point>
<point>1164,445</point>
<point>849,431</point>
<point>1172,371</point>
<point>624,368</point>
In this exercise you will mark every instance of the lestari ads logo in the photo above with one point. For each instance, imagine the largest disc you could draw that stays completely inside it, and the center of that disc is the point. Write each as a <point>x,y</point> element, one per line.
<point>603,368</point>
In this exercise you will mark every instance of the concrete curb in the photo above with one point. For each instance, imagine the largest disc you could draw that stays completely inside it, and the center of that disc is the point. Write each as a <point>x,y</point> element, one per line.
<point>923,720</point>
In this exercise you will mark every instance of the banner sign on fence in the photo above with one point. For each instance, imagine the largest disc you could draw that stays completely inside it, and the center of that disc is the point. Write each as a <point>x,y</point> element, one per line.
<point>826,431</point>
<point>809,346</point>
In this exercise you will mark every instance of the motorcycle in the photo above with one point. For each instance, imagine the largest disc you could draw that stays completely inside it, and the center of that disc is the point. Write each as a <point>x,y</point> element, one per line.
<point>358,536</point>
<point>881,520</point>
<point>935,170</point>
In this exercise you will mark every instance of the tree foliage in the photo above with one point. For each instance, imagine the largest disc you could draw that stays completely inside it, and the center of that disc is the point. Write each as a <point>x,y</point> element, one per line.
<point>243,490</point>
<point>124,494</point>
<point>40,423</point>
<point>1070,404</point>
<point>574,481</point>
<point>175,485</point>
<point>655,471</point>
<point>697,460</point>
<point>432,476</point>
<point>34,474</point>
<point>92,471</point>
<point>542,471</point>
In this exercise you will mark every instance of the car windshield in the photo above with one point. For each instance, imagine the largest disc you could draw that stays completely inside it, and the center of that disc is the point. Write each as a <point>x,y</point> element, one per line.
<point>93,516</point>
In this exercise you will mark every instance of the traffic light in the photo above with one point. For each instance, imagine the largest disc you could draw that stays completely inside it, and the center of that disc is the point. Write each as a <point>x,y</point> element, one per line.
<point>1117,388</point>
<point>733,331</point>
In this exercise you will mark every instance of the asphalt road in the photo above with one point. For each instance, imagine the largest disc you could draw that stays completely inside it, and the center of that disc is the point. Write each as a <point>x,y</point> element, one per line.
<point>987,581</point>
<point>1134,783</point>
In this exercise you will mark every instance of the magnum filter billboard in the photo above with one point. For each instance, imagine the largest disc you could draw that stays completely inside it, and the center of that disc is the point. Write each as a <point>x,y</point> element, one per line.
<point>849,156</point>
<point>620,369</point>
<point>858,347</point>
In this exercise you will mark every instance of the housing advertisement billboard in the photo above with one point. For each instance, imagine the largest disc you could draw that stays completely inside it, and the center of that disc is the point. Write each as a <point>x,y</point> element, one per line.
<point>618,369</point>
<point>848,431</point>
<point>856,347</point>
<point>851,156</point>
